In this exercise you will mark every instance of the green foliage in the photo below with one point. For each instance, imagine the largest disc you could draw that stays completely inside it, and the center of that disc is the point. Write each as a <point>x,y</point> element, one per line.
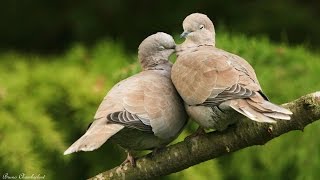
<point>46,103</point>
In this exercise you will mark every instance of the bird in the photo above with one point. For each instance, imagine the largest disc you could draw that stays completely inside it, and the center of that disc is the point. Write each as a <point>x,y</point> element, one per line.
<point>216,84</point>
<point>142,112</point>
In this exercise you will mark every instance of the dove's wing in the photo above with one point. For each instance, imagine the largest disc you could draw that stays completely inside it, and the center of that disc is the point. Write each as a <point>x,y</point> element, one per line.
<point>130,120</point>
<point>209,76</point>
<point>154,100</point>
<point>124,104</point>
<point>106,124</point>
<point>165,108</point>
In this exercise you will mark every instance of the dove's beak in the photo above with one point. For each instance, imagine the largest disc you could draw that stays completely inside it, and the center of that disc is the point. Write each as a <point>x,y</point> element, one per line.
<point>184,34</point>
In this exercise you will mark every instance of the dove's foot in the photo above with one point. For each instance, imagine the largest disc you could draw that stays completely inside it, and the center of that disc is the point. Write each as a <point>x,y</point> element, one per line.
<point>129,159</point>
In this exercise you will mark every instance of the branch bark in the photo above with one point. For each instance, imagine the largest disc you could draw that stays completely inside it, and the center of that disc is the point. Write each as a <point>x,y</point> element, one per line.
<point>192,151</point>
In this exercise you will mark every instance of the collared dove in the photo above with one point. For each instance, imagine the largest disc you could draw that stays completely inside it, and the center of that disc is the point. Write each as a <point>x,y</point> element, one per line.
<point>143,111</point>
<point>213,83</point>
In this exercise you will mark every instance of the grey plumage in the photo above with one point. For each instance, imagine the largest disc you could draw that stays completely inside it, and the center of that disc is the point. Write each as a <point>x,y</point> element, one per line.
<point>214,83</point>
<point>143,111</point>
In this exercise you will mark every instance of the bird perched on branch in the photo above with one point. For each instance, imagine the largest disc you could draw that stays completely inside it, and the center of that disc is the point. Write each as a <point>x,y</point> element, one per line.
<point>214,83</point>
<point>143,111</point>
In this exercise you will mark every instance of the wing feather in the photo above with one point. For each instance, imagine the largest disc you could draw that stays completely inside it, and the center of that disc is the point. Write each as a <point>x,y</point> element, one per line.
<point>213,76</point>
<point>127,119</point>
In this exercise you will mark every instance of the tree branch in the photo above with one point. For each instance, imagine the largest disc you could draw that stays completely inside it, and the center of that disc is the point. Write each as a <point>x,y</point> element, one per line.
<point>198,149</point>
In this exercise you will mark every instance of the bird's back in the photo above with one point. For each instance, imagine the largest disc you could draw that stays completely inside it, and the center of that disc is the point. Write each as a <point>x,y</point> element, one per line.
<point>206,71</point>
<point>150,95</point>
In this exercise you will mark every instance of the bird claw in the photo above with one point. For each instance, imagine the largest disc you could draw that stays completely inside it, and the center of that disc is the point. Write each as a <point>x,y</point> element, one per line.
<point>129,159</point>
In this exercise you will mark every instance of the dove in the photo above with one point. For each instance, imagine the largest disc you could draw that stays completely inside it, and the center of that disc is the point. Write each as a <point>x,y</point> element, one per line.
<point>216,84</point>
<point>142,112</point>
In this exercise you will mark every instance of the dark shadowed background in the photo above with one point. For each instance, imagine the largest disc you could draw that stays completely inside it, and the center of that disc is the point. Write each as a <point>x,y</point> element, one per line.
<point>50,26</point>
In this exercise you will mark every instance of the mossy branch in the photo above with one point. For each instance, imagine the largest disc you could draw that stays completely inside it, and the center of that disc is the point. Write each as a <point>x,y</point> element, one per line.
<point>201,148</point>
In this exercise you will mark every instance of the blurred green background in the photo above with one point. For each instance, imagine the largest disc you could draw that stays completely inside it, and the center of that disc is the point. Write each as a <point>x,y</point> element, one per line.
<point>59,58</point>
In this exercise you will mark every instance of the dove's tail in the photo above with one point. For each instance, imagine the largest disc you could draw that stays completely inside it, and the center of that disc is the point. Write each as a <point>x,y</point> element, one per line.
<point>260,111</point>
<point>97,134</point>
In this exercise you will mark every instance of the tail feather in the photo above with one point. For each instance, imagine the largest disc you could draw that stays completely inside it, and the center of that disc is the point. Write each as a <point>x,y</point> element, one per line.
<point>277,115</point>
<point>275,108</point>
<point>264,111</point>
<point>251,113</point>
<point>256,106</point>
<point>98,133</point>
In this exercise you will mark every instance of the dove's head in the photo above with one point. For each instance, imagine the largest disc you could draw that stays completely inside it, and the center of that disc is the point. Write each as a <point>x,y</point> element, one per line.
<point>155,50</point>
<point>198,30</point>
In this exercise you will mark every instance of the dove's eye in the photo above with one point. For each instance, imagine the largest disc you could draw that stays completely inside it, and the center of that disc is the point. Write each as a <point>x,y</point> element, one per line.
<point>161,47</point>
<point>201,26</point>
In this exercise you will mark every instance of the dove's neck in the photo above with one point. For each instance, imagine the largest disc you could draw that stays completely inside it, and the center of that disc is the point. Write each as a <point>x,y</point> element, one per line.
<point>188,47</point>
<point>195,41</point>
<point>150,62</point>
<point>162,66</point>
